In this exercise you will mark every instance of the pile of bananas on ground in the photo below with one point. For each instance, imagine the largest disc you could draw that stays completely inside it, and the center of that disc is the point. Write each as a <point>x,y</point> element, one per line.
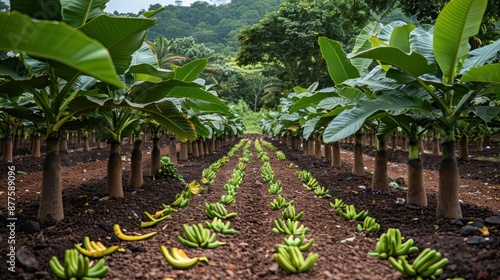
<point>311,184</point>
<point>268,145</point>
<point>198,236</point>
<point>246,153</point>
<point>227,199</point>
<point>275,187</point>
<point>390,245</point>
<point>258,147</point>
<point>266,172</point>
<point>288,227</point>
<point>429,263</point>
<point>218,210</point>
<point>280,203</point>
<point>152,220</point>
<point>351,214</point>
<point>289,213</point>
<point>194,187</point>
<point>236,147</point>
<point>118,232</point>
<point>95,249</point>
<point>368,225</point>
<point>182,199</point>
<point>76,266</point>
<point>207,176</point>
<point>290,259</point>
<point>178,259</point>
<point>280,155</point>
<point>169,169</point>
<point>218,225</point>
<point>337,204</point>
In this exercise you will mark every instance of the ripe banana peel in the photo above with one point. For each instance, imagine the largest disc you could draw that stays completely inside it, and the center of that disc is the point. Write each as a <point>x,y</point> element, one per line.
<point>77,266</point>
<point>122,236</point>
<point>95,249</point>
<point>178,258</point>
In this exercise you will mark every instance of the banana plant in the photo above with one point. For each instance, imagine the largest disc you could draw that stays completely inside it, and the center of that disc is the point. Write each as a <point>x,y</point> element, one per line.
<point>94,45</point>
<point>451,94</point>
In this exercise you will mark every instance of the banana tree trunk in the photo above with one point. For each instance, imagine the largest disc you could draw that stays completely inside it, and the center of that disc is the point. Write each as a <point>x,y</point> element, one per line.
<point>51,203</point>
<point>16,141</point>
<point>394,144</point>
<point>172,150</point>
<point>135,179</point>
<point>86,147</point>
<point>196,152</point>
<point>448,205</point>
<point>416,194</point>
<point>380,179</point>
<point>328,152</point>
<point>201,151</point>
<point>436,151</point>
<point>35,150</point>
<point>63,145</point>
<point>7,153</point>
<point>155,156</point>
<point>463,148</point>
<point>480,144</point>
<point>336,162</point>
<point>404,143</point>
<point>317,149</point>
<point>358,165</point>
<point>115,185</point>
<point>183,155</point>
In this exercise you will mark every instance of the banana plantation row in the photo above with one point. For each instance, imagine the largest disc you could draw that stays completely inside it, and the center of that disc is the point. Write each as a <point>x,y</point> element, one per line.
<point>406,80</point>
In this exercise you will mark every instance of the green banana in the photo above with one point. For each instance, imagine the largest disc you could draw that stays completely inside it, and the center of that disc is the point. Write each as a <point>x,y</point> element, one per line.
<point>322,192</point>
<point>76,266</point>
<point>198,236</point>
<point>389,244</point>
<point>339,203</point>
<point>288,227</point>
<point>290,259</point>
<point>289,213</point>
<point>275,187</point>
<point>280,203</point>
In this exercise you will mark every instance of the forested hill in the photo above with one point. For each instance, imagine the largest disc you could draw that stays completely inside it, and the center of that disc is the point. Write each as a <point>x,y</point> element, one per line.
<point>214,26</point>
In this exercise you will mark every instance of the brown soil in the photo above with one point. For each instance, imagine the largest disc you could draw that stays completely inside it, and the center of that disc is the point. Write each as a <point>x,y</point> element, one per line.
<point>249,253</point>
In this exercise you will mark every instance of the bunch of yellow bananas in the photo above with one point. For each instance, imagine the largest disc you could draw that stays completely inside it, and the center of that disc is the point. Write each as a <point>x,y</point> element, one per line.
<point>96,249</point>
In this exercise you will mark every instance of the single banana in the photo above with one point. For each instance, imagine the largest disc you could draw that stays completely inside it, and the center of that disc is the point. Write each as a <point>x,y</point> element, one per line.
<point>424,257</point>
<point>284,263</point>
<point>409,270</point>
<point>396,264</point>
<point>178,263</point>
<point>122,236</point>
<point>307,246</point>
<point>426,265</point>
<point>309,262</point>
<point>56,268</point>
<point>187,243</point>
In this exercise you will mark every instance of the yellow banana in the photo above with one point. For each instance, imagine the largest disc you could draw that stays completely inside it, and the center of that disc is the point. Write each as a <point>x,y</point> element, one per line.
<point>122,236</point>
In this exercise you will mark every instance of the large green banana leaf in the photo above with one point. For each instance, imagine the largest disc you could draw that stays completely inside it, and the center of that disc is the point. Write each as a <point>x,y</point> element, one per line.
<point>414,64</point>
<point>339,66</point>
<point>77,12</point>
<point>457,22</point>
<point>58,42</point>
<point>421,41</point>
<point>120,35</point>
<point>350,121</point>
<point>489,73</point>
<point>312,100</point>
<point>42,9</point>
<point>190,71</point>
<point>481,56</point>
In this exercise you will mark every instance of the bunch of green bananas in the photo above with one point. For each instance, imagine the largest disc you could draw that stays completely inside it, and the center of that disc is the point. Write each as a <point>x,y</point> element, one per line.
<point>227,199</point>
<point>182,199</point>
<point>275,187</point>
<point>95,249</point>
<point>290,259</point>
<point>167,209</point>
<point>390,244</point>
<point>231,189</point>
<point>269,146</point>
<point>350,213</point>
<point>218,210</point>
<point>207,176</point>
<point>312,184</point>
<point>258,147</point>
<point>339,203</point>
<point>304,175</point>
<point>289,213</point>
<point>236,147</point>
<point>322,192</point>
<point>369,225</point>
<point>299,242</point>
<point>288,227</point>
<point>169,169</point>
<point>280,203</point>
<point>77,266</point>
<point>218,225</point>
<point>266,172</point>
<point>198,236</point>
<point>178,258</point>
<point>194,187</point>
<point>263,156</point>
<point>428,264</point>
<point>280,155</point>
<point>152,220</point>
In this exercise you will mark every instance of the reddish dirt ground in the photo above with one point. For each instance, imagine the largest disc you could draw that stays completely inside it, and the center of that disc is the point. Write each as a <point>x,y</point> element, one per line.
<point>249,253</point>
